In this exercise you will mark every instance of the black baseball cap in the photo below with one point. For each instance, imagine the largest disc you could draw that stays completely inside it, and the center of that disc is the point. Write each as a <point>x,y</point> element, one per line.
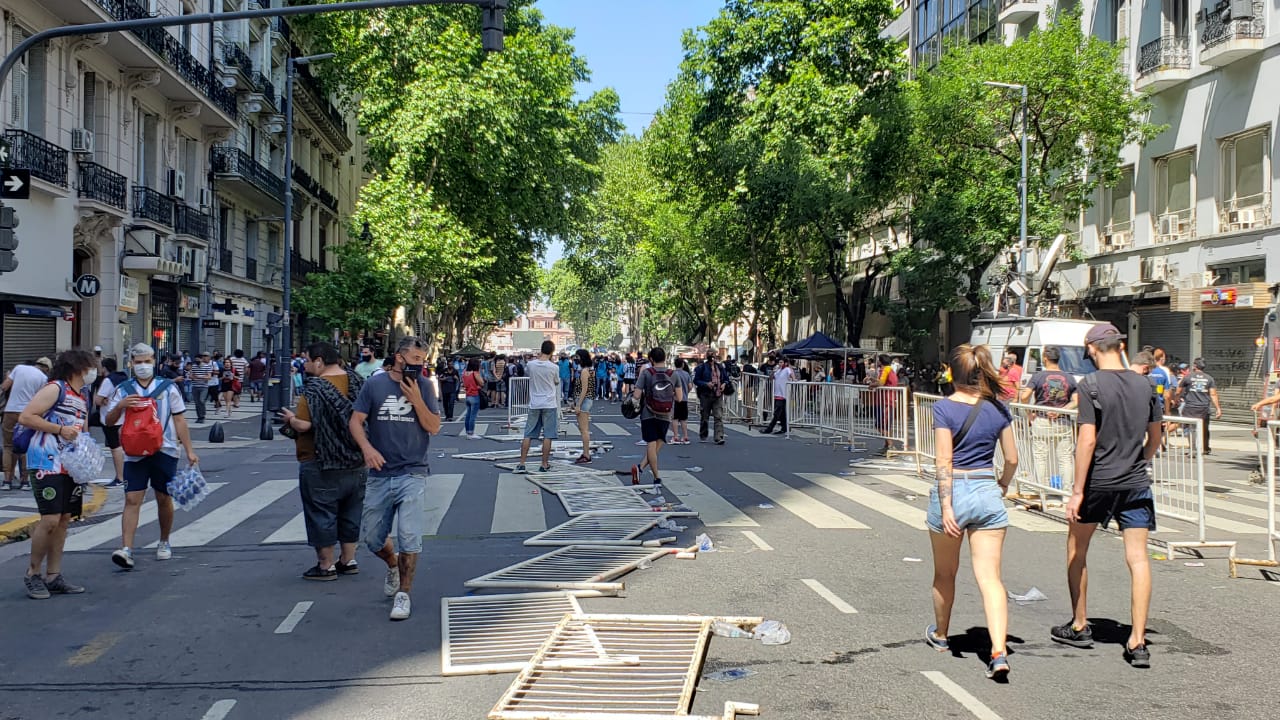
<point>1105,331</point>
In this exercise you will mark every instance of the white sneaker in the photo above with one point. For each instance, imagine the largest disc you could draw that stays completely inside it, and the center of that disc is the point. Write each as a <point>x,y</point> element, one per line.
<point>474,436</point>
<point>392,584</point>
<point>123,557</point>
<point>163,551</point>
<point>400,609</point>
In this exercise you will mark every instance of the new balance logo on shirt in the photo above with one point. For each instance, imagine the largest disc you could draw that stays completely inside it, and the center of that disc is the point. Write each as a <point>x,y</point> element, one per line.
<point>396,408</point>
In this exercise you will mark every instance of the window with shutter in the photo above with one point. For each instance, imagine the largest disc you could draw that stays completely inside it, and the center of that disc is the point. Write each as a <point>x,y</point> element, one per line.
<point>18,86</point>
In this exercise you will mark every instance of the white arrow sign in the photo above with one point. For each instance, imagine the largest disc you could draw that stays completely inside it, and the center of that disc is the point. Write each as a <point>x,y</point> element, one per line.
<point>4,153</point>
<point>13,183</point>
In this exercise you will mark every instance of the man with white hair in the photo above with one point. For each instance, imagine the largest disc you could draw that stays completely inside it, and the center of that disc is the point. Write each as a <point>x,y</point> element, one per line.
<point>157,467</point>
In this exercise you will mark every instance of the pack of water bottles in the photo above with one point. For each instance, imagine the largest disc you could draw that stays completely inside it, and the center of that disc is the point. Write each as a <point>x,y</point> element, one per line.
<point>188,488</point>
<point>82,458</point>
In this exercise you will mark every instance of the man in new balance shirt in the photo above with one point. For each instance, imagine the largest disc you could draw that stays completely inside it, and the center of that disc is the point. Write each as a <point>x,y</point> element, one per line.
<point>403,413</point>
<point>154,470</point>
<point>1119,434</point>
<point>1052,438</point>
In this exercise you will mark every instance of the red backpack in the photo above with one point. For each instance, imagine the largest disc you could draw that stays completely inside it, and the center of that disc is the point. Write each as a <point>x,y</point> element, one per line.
<point>142,433</point>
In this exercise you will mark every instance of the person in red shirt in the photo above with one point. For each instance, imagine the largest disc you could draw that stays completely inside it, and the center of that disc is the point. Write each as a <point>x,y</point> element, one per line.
<point>886,404</point>
<point>1010,377</point>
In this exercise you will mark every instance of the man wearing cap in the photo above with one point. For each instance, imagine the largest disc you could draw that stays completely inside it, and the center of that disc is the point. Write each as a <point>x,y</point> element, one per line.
<point>23,383</point>
<point>1197,390</point>
<point>1119,434</point>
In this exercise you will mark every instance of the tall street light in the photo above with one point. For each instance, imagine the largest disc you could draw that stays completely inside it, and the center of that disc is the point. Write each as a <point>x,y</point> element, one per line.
<point>1022,190</point>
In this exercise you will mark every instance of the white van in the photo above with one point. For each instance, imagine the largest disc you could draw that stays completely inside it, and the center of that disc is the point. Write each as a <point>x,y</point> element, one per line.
<point>1028,337</point>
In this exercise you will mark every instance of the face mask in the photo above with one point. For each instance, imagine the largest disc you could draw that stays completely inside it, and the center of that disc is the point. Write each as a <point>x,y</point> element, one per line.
<point>145,371</point>
<point>412,372</point>
<point>90,376</point>
<point>366,358</point>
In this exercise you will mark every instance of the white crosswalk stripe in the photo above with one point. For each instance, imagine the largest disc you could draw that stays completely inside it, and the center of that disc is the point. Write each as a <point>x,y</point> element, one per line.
<point>714,510</point>
<point>441,490</point>
<point>222,519</point>
<point>109,531</point>
<point>1017,518</point>
<point>294,531</point>
<point>611,429</point>
<point>517,508</point>
<point>896,509</point>
<point>804,506</point>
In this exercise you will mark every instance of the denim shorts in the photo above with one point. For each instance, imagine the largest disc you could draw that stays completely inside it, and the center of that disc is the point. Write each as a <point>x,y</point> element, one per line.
<point>587,404</point>
<point>976,500</point>
<point>332,503</point>
<point>401,499</point>
<point>541,422</point>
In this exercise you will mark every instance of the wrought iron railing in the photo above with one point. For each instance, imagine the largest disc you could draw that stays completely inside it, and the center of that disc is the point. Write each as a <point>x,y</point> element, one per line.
<point>171,50</point>
<point>263,86</point>
<point>314,188</point>
<point>225,261</point>
<point>149,204</point>
<point>190,221</point>
<point>251,269</point>
<point>312,84</point>
<point>280,25</point>
<point>99,183</point>
<point>1171,52</point>
<point>300,267</point>
<point>1221,27</point>
<point>233,161</point>
<point>32,152</point>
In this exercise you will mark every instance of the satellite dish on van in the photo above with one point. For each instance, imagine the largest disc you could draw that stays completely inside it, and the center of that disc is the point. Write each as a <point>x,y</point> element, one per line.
<point>1047,264</point>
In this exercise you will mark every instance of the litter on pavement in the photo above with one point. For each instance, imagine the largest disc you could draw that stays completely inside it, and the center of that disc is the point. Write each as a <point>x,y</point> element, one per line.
<point>911,559</point>
<point>1032,595</point>
<point>772,632</point>
<point>765,506</point>
<point>730,675</point>
<point>704,543</point>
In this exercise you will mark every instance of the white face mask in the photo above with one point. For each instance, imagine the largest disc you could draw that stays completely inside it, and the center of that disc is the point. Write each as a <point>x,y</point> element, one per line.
<point>90,376</point>
<point>144,372</point>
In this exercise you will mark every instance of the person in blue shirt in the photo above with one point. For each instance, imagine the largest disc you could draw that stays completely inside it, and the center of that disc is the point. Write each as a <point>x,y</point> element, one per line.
<point>566,376</point>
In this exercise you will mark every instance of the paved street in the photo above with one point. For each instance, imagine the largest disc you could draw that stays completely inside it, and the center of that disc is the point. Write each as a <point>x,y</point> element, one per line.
<point>833,556</point>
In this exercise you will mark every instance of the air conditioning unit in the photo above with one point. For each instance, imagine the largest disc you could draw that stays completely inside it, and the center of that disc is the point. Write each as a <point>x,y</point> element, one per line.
<point>1168,225</point>
<point>1115,241</point>
<point>178,187</point>
<point>1242,219</point>
<point>188,262</point>
<point>81,141</point>
<point>1155,269</point>
<point>206,198</point>
<point>1102,275</point>
<point>199,265</point>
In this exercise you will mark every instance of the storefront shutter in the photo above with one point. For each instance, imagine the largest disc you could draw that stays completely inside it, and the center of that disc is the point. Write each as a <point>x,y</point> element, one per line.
<point>1232,358</point>
<point>1167,330</point>
<point>28,338</point>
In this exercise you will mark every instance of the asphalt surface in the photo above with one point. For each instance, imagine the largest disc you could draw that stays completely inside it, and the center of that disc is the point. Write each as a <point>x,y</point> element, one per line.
<point>197,636</point>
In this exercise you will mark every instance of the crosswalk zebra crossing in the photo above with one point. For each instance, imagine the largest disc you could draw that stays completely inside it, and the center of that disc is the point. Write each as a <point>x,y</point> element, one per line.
<point>487,503</point>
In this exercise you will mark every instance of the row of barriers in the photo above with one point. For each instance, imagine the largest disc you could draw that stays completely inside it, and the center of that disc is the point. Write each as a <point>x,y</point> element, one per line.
<point>1046,442</point>
<point>840,412</point>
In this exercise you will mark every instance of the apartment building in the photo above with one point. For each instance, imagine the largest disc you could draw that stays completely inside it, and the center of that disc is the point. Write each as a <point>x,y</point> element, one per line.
<point>157,166</point>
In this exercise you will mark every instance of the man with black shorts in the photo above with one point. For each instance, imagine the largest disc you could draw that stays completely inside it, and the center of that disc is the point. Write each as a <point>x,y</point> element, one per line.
<point>657,390</point>
<point>107,389</point>
<point>1119,434</point>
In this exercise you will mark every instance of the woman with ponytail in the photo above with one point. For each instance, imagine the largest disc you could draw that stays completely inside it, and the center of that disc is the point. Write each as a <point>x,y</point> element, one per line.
<point>969,498</point>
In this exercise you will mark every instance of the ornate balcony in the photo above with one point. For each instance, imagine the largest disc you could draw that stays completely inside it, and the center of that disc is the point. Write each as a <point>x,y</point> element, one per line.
<point>1163,63</point>
<point>32,152</point>
<point>238,172</point>
<point>1013,12</point>
<point>151,206</point>
<point>236,60</point>
<point>315,102</point>
<point>299,267</point>
<point>1232,29</point>
<point>313,188</point>
<point>99,184</point>
<point>190,221</point>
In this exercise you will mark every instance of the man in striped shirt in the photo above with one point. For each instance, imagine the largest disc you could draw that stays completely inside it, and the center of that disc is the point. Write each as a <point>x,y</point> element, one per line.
<point>199,372</point>
<point>240,366</point>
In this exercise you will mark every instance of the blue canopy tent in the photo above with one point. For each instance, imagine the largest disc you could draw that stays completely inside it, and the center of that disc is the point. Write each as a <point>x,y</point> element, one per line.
<point>810,346</point>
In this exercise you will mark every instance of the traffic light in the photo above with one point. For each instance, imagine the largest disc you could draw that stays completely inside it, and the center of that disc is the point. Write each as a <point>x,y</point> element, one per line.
<point>8,240</point>
<point>493,25</point>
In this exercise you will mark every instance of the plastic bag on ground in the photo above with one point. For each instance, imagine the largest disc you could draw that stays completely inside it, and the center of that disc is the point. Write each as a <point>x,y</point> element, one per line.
<point>772,632</point>
<point>669,524</point>
<point>730,674</point>
<point>1032,595</point>
<point>729,630</point>
<point>704,543</point>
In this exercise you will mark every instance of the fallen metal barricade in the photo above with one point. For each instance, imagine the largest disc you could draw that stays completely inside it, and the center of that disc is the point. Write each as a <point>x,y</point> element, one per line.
<point>486,634</point>
<point>573,567</point>
<point>606,528</point>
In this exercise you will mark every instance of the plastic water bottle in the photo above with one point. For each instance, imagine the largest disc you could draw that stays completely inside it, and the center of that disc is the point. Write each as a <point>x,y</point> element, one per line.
<point>1055,482</point>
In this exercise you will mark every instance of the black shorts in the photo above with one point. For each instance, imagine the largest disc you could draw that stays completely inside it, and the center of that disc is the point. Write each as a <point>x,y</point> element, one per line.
<point>332,503</point>
<point>681,411</point>
<point>113,435</point>
<point>155,470</point>
<point>1134,508</point>
<point>492,385</point>
<point>653,430</point>
<point>56,494</point>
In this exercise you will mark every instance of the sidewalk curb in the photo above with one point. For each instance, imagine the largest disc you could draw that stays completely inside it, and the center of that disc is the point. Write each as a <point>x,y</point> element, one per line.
<point>16,529</point>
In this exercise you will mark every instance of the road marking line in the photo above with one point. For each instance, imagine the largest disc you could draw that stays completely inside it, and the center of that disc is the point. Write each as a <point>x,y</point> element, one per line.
<point>441,490</point>
<point>94,649</point>
<point>900,511</point>
<point>807,508</point>
<point>516,508</point>
<point>294,531</point>
<point>713,510</point>
<point>293,618</point>
<point>611,428</point>
<point>223,519</point>
<point>482,429</point>
<point>219,710</point>
<point>962,696</point>
<point>830,597</point>
<point>95,535</point>
<point>756,540</point>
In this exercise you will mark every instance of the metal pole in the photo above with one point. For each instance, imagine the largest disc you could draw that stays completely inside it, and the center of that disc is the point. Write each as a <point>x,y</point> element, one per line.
<point>1022,232</point>
<point>285,361</point>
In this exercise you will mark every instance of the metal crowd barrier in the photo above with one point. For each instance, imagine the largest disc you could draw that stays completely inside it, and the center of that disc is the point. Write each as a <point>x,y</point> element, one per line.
<point>842,412</point>
<point>1046,442</point>
<point>752,401</point>
<point>1272,430</point>
<point>517,401</point>
<point>803,405</point>
<point>922,419</point>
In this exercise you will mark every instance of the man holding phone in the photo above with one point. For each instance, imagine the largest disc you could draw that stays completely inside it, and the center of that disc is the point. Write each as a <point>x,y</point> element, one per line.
<point>402,412</point>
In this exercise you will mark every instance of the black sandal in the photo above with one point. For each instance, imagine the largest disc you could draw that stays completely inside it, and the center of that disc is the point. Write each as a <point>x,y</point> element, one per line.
<point>316,573</point>
<point>582,460</point>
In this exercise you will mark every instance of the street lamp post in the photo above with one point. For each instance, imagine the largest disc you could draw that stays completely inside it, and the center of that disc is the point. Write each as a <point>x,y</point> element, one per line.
<point>1022,192</point>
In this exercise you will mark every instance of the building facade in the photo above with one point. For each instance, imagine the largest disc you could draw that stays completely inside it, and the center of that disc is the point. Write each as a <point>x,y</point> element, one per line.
<point>157,168</point>
<point>528,330</point>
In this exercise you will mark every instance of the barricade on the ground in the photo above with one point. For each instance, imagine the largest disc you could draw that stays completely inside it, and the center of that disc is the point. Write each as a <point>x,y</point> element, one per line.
<point>1270,470</point>
<point>922,419</point>
<point>517,401</point>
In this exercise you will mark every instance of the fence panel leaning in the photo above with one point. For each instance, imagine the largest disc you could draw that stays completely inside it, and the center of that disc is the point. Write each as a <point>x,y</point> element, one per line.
<point>517,401</point>
<point>1272,460</point>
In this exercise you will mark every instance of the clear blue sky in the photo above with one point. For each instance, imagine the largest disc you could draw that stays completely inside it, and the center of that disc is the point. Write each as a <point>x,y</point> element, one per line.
<point>632,46</point>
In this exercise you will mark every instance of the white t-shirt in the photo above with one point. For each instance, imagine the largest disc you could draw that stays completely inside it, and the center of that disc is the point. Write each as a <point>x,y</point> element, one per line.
<point>27,381</point>
<point>544,384</point>
<point>781,377</point>
<point>168,404</point>
<point>105,390</point>
<point>240,366</point>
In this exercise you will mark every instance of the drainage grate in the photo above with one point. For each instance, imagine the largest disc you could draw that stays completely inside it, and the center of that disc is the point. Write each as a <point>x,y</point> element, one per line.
<point>575,567</point>
<point>605,529</point>
<point>487,634</point>
<point>599,667</point>
<point>606,499</point>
